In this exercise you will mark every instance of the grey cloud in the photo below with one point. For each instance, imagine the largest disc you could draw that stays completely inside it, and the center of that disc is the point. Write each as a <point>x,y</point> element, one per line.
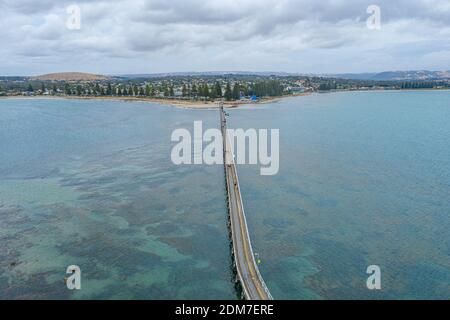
<point>161,28</point>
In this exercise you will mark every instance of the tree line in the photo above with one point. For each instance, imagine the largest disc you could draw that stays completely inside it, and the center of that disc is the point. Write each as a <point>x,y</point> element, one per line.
<point>417,85</point>
<point>200,90</point>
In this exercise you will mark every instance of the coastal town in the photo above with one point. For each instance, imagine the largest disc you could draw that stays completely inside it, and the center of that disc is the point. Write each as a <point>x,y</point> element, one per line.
<point>198,87</point>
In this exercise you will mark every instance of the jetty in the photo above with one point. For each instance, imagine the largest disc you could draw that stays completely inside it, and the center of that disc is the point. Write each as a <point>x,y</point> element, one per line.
<point>248,279</point>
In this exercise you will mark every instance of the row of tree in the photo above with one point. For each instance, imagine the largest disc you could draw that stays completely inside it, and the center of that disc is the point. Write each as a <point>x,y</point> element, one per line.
<point>417,85</point>
<point>326,86</point>
<point>192,91</point>
<point>271,88</point>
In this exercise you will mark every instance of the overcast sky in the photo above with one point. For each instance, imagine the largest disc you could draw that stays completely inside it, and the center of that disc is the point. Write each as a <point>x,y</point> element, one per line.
<point>151,36</point>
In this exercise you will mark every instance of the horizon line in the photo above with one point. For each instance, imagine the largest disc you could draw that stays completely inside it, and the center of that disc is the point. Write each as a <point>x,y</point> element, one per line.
<point>230,72</point>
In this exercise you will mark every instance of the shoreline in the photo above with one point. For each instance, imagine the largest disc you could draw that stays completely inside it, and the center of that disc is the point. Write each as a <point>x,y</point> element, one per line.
<point>386,90</point>
<point>183,104</point>
<point>205,105</point>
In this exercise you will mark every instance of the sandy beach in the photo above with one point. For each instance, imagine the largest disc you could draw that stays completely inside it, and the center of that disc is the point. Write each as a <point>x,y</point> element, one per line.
<point>178,103</point>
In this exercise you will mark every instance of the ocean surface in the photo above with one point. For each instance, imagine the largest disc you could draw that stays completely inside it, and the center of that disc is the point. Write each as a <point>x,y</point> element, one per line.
<point>364,180</point>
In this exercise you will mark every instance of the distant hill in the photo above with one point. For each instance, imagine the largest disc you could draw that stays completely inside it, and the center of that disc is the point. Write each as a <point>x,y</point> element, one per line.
<point>415,75</point>
<point>204,73</point>
<point>382,76</point>
<point>70,76</point>
<point>352,76</point>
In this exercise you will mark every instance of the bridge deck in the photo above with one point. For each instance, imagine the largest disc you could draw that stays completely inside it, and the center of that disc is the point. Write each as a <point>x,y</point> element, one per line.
<point>253,285</point>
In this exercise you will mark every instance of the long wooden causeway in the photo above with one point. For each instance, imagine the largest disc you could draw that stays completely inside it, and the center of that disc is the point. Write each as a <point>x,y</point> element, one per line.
<point>248,277</point>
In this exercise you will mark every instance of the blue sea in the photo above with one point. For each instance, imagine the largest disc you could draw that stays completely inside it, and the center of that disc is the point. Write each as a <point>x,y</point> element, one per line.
<point>364,180</point>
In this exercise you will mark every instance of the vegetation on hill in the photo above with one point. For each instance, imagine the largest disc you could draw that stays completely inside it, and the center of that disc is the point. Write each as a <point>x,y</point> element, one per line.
<point>70,76</point>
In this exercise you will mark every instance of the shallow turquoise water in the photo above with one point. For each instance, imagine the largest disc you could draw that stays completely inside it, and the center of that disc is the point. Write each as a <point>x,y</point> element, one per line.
<point>364,179</point>
<point>91,183</point>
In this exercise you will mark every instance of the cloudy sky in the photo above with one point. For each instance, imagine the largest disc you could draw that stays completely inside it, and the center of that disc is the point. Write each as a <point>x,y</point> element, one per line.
<point>150,36</point>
